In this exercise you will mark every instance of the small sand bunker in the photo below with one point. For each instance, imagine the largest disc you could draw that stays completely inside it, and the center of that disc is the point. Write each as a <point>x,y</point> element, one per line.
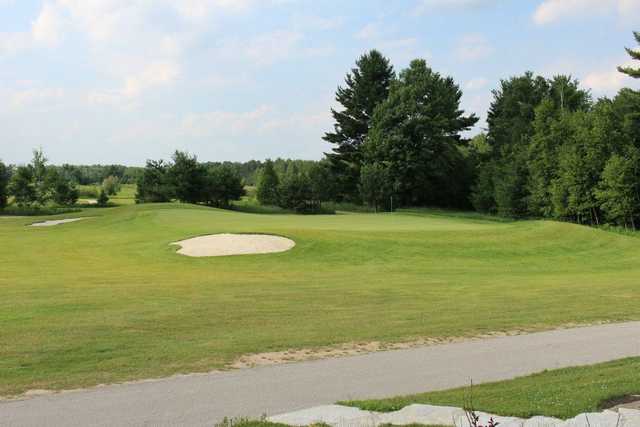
<point>234,244</point>
<point>53,222</point>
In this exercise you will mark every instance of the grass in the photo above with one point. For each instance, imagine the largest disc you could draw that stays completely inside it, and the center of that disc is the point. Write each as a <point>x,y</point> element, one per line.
<point>108,299</point>
<point>560,393</point>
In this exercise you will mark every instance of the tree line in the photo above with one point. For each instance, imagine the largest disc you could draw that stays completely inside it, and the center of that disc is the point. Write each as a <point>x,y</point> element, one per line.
<point>186,179</point>
<point>549,150</point>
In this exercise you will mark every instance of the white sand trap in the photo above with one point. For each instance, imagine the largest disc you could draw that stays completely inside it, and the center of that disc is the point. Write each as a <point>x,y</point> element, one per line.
<point>53,222</point>
<point>234,244</point>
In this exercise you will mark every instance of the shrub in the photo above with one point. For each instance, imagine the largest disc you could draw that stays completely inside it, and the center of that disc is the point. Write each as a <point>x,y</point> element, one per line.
<point>103,199</point>
<point>111,185</point>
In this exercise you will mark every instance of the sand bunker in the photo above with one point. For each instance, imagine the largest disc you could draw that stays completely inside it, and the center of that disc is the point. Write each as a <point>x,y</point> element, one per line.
<point>53,222</point>
<point>234,244</point>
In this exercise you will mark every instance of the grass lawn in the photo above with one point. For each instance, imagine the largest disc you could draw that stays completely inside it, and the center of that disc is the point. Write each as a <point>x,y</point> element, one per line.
<point>107,299</point>
<point>561,393</point>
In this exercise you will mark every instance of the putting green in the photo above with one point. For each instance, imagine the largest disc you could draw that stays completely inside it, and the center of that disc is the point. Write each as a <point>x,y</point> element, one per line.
<point>107,299</point>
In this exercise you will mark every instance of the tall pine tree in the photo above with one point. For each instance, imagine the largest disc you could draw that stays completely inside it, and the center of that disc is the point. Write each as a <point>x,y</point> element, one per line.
<point>416,133</point>
<point>366,86</point>
<point>634,54</point>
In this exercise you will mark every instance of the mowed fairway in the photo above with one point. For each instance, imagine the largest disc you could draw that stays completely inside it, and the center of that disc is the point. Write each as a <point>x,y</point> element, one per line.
<point>107,299</point>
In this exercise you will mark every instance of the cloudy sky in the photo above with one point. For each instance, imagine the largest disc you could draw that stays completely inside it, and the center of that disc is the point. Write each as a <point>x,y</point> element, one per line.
<point>120,81</point>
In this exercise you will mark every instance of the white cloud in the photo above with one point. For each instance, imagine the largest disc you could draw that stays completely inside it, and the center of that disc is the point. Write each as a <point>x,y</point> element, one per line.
<point>11,43</point>
<point>473,47</point>
<point>553,10</point>
<point>265,120</point>
<point>199,9</point>
<point>476,84</point>
<point>155,74</point>
<point>425,6</point>
<point>368,32</point>
<point>48,27</point>
<point>608,81</point>
<point>46,30</point>
<point>269,48</point>
<point>227,123</point>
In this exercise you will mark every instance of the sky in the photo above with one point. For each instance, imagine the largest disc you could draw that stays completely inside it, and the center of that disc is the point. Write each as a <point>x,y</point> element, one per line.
<point>123,81</point>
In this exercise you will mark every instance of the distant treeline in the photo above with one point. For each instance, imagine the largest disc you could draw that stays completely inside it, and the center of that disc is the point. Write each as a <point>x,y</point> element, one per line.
<point>549,150</point>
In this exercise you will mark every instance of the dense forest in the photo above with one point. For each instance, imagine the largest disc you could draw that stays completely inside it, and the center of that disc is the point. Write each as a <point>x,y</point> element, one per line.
<point>549,150</point>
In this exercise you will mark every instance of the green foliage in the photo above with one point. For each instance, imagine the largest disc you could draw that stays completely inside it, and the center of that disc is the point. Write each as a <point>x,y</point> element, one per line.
<point>15,210</point>
<point>415,132</point>
<point>111,185</point>
<point>619,190</point>
<point>634,54</point>
<point>561,393</point>
<point>96,174</point>
<point>63,192</point>
<point>366,86</point>
<point>4,184</point>
<point>268,182</point>
<point>375,185</point>
<point>549,145</point>
<point>153,185</point>
<point>187,178</point>
<point>322,184</point>
<point>103,198</point>
<point>295,192</point>
<point>21,186</point>
<point>222,184</point>
<point>41,183</point>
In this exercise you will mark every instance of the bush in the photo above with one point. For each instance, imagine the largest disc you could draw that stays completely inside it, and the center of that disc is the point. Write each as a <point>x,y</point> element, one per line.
<point>36,211</point>
<point>103,199</point>
<point>111,185</point>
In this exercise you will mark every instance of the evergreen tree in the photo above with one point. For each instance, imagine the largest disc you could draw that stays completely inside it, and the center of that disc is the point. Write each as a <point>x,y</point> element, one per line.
<point>416,133</point>
<point>153,184</point>
<point>4,183</point>
<point>103,198</point>
<point>366,86</point>
<point>63,192</point>
<point>634,54</point>
<point>222,185</point>
<point>21,186</point>
<point>294,191</point>
<point>187,177</point>
<point>268,182</point>
<point>321,184</point>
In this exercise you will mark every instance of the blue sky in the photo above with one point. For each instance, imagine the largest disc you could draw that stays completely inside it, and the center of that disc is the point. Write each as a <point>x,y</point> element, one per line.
<point>121,81</point>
